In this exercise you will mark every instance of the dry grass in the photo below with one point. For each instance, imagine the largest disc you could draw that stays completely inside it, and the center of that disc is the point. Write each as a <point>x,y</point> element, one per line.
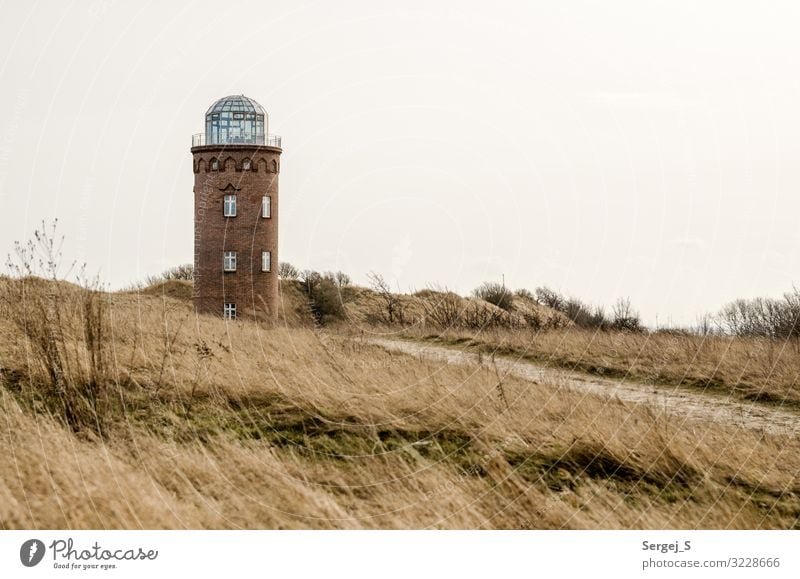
<point>238,425</point>
<point>443,308</point>
<point>753,369</point>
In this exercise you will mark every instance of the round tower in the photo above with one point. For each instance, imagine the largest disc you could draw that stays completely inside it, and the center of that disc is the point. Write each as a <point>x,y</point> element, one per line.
<point>236,166</point>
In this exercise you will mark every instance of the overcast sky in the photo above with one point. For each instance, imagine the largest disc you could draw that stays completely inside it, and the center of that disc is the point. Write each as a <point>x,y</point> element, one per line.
<point>641,149</point>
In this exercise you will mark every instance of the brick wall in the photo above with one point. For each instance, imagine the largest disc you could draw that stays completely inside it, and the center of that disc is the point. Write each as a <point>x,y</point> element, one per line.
<point>254,292</point>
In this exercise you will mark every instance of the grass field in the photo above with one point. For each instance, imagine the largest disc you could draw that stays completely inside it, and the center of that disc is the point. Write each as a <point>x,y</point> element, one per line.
<point>180,421</point>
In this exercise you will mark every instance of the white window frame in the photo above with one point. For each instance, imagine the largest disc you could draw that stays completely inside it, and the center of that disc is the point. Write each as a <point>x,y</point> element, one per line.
<point>266,261</point>
<point>246,164</point>
<point>229,311</point>
<point>215,165</point>
<point>229,206</point>
<point>266,207</point>
<point>229,261</point>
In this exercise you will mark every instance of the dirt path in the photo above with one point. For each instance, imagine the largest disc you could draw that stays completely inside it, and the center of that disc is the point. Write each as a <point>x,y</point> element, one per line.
<point>695,405</point>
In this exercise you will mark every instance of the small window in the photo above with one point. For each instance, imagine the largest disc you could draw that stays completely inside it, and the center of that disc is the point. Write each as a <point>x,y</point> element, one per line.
<point>266,260</point>
<point>229,206</point>
<point>266,206</point>
<point>229,311</point>
<point>246,165</point>
<point>229,261</point>
<point>215,165</point>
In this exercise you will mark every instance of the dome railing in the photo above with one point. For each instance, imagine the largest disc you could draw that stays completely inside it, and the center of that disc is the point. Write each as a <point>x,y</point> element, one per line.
<point>201,139</point>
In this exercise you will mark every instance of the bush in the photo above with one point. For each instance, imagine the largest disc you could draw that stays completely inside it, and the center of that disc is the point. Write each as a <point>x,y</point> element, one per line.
<point>327,293</point>
<point>442,307</point>
<point>579,313</point>
<point>525,294</point>
<point>763,317</point>
<point>496,294</point>
<point>287,271</point>
<point>583,315</point>
<point>550,298</point>
<point>179,272</point>
<point>624,318</point>
<point>390,306</point>
<point>476,316</point>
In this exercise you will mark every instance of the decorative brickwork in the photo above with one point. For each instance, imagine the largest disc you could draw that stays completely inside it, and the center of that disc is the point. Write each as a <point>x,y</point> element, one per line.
<point>255,292</point>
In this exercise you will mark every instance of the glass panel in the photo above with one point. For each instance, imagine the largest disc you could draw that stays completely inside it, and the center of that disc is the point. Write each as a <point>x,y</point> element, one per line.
<point>229,206</point>
<point>235,127</point>
<point>229,261</point>
<point>229,311</point>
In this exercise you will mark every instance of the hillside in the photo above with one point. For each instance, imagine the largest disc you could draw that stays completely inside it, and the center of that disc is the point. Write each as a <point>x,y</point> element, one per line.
<point>156,418</point>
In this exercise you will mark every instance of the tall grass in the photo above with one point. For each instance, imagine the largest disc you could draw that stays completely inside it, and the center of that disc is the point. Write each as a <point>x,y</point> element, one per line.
<point>127,410</point>
<point>247,426</point>
<point>64,330</point>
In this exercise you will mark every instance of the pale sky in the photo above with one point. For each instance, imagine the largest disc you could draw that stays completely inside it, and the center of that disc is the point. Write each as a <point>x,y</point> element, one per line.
<point>641,149</point>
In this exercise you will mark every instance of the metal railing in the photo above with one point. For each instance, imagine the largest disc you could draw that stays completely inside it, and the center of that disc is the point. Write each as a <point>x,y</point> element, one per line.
<point>199,140</point>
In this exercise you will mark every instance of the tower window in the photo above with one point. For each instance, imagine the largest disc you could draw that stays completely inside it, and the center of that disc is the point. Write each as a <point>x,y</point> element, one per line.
<point>246,165</point>
<point>229,311</point>
<point>229,206</point>
<point>266,260</point>
<point>229,261</point>
<point>215,165</point>
<point>266,206</point>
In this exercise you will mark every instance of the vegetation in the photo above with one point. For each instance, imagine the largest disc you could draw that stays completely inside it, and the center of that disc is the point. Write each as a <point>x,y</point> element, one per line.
<point>327,294</point>
<point>116,406</point>
<point>287,271</point>
<point>763,317</point>
<point>749,369</point>
<point>64,330</point>
<point>215,425</point>
<point>495,293</point>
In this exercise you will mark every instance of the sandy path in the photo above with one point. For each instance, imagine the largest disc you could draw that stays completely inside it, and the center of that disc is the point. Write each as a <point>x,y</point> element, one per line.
<point>696,405</point>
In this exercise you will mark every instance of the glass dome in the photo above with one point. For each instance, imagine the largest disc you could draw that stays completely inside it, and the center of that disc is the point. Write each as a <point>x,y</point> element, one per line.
<point>236,119</point>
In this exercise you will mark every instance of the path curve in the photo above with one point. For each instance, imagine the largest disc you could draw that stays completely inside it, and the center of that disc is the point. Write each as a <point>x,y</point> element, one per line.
<point>696,405</point>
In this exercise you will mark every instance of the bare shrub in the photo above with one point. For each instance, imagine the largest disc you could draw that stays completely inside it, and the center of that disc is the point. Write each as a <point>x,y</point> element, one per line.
<point>579,313</point>
<point>287,271</point>
<point>550,298</point>
<point>183,272</point>
<point>327,293</point>
<point>340,278</point>
<point>496,294</point>
<point>391,307</point>
<point>585,316</point>
<point>476,316</point>
<point>624,318</point>
<point>763,317</point>
<point>442,307</point>
<point>525,294</point>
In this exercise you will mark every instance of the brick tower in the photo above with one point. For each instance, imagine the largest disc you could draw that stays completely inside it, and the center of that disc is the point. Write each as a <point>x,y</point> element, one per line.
<point>236,166</point>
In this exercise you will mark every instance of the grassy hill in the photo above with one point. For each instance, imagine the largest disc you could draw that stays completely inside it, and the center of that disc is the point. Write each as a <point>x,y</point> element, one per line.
<point>125,410</point>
